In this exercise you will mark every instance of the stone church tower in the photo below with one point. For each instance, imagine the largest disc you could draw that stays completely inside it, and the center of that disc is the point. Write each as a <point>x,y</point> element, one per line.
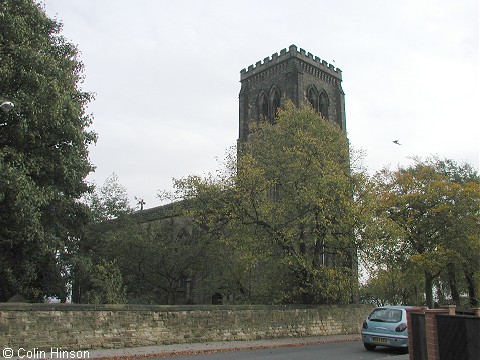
<point>294,75</point>
<point>300,77</point>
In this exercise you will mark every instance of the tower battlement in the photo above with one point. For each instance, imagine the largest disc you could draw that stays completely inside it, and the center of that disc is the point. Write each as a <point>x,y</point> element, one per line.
<point>292,74</point>
<point>284,55</point>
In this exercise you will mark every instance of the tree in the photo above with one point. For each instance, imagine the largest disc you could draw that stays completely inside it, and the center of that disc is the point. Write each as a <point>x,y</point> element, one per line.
<point>43,152</point>
<point>393,285</point>
<point>464,237</point>
<point>428,218</point>
<point>104,285</point>
<point>123,257</point>
<point>157,259</point>
<point>286,204</point>
<point>94,270</point>
<point>110,201</point>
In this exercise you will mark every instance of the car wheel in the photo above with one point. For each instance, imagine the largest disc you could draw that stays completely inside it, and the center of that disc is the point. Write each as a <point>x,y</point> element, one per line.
<point>369,347</point>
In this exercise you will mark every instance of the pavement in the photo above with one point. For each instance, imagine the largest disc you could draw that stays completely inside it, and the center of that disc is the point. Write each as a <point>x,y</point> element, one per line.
<point>189,349</point>
<point>223,346</point>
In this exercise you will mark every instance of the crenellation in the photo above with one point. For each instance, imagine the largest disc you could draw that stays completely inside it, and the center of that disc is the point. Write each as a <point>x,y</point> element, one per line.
<point>285,55</point>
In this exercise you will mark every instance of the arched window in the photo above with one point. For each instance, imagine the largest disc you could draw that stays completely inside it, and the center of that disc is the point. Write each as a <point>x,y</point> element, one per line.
<point>262,104</point>
<point>323,106</point>
<point>274,102</point>
<point>312,96</point>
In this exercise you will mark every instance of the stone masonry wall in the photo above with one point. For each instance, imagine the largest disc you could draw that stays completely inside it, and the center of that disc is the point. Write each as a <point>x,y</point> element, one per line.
<point>79,327</point>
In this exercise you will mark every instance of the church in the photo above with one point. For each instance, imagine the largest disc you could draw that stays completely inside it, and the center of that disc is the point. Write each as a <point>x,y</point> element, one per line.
<point>293,75</point>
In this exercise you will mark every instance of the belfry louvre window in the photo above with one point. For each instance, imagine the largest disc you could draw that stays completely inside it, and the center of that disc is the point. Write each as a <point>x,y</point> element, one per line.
<point>274,103</point>
<point>312,96</point>
<point>262,106</point>
<point>318,101</point>
<point>323,106</point>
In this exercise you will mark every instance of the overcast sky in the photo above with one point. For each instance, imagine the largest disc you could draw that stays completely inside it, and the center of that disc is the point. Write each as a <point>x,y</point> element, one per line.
<point>166,77</point>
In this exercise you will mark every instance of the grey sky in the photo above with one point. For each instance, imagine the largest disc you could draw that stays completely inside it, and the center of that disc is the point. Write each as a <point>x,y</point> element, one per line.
<point>166,77</point>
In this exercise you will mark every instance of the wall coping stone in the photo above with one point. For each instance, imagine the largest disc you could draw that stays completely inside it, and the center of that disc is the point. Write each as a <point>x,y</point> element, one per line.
<point>158,308</point>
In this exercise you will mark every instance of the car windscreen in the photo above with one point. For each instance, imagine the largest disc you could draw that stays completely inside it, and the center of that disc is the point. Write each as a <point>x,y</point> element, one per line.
<point>386,315</point>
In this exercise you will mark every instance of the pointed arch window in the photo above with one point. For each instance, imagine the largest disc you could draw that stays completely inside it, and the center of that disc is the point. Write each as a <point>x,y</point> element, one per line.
<point>274,103</point>
<point>262,104</point>
<point>312,96</point>
<point>323,105</point>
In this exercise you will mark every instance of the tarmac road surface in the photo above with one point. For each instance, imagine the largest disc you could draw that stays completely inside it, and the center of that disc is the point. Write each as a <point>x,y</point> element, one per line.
<point>330,351</point>
<point>336,347</point>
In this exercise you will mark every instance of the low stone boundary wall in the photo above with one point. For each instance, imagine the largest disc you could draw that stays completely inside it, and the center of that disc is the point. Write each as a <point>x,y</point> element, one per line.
<point>77,326</point>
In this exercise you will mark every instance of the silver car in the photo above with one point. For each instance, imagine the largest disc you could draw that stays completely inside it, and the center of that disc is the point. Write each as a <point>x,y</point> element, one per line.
<point>386,326</point>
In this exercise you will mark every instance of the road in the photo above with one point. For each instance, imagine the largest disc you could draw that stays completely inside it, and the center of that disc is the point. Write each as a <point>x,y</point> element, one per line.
<point>336,351</point>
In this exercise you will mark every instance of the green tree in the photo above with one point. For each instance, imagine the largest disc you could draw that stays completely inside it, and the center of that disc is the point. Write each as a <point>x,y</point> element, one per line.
<point>286,205</point>
<point>464,237</point>
<point>157,259</point>
<point>104,285</point>
<point>43,151</point>
<point>94,270</point>
<point>394,285</point>
<point>110,201</point>
<point>427,216</point>
<point>125,256</point>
